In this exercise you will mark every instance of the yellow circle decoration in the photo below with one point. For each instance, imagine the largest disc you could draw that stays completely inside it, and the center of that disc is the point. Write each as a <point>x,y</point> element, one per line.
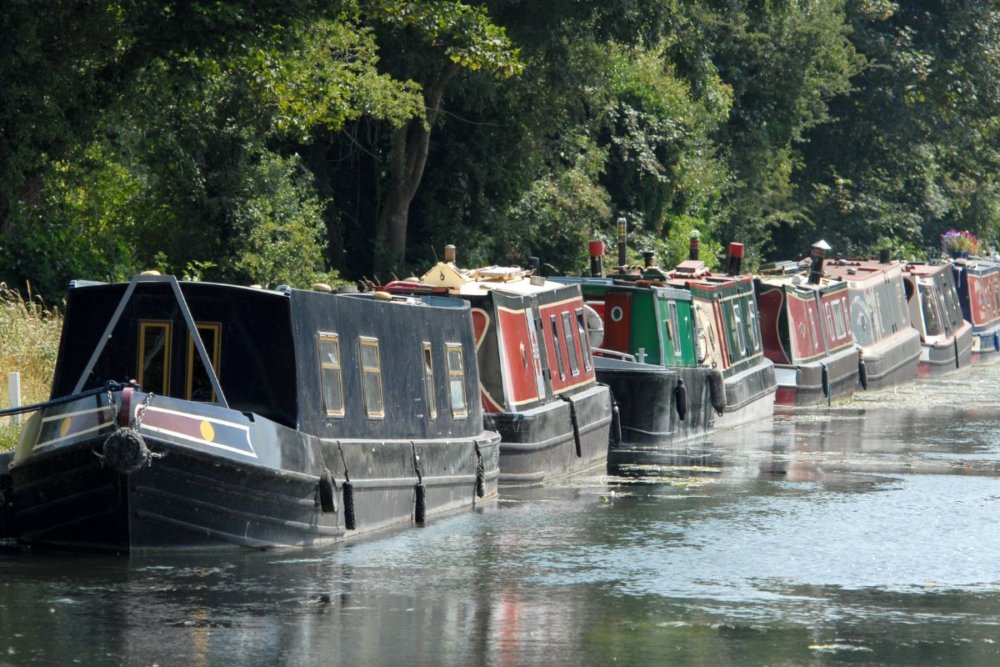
<point>207,432</point>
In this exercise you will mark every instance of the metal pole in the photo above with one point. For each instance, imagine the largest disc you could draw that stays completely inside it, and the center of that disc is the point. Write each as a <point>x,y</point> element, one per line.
<point>14,394</point>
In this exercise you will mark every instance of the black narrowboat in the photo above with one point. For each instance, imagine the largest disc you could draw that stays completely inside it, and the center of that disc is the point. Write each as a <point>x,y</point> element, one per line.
<point>536,371</point>
<point>195,415</point>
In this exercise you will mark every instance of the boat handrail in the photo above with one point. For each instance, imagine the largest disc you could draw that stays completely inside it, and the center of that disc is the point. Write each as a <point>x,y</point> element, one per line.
<point>612,354</point>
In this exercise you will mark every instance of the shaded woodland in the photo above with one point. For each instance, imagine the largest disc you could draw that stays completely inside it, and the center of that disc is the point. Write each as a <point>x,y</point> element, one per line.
<point>259,142</point>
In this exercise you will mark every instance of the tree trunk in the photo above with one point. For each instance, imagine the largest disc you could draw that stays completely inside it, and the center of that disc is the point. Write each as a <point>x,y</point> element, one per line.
<point>407,160</point>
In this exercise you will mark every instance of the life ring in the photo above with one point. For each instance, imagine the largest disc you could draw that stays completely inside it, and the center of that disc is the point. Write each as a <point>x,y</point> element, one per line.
<point>594,325</point>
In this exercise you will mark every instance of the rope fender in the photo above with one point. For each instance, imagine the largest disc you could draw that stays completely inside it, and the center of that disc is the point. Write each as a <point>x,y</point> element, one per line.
<point>420,500</point>
<point>480,473</point>
<point>350,522</point>
<point>575,424</point>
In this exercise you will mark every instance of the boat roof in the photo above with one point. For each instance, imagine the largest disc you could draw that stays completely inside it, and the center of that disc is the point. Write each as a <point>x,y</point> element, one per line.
<point>861,270</point>
<point>445,276</point>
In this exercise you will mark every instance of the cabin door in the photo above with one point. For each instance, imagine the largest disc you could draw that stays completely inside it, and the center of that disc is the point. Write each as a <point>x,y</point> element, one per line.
<point>618,321</point>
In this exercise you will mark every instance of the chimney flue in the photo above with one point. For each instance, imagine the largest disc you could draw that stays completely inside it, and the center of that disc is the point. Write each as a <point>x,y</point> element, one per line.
<point>449,254</point>
<point>648,257</point>
<point>735,258</point>
<point>884,256</point>
<point>816,268</point>
<point>695,244</point>
<point>622,236</point>
<point>596,258</point>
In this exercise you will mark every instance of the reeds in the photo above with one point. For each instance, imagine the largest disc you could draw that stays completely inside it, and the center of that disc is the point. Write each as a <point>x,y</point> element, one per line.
<point>29,343</point>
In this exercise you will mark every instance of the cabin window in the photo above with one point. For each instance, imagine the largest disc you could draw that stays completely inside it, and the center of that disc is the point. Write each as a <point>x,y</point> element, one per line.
<point>371,377</point>
<point>574,366</point>
<point>199,386</point>
<point>558,348</point>
<point>932,324</point>
<point>154,356</point>
<point>456,381</point>
<point>738,329</point>
<point>674,328</point>
<point>828,310</point>
<point>581,328</point>
<point>813,318</point>
<point>754,324</point>
<point>331,374</point>
<point>838,319</point>
<point>432,411</point>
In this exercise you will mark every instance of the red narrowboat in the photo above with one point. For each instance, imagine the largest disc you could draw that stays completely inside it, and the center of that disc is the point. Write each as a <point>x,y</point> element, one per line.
<point>805,324</point>
<point>536,371</point>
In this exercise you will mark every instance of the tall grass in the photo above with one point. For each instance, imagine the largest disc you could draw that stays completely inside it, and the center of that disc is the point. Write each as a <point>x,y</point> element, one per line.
<point>29,343</point>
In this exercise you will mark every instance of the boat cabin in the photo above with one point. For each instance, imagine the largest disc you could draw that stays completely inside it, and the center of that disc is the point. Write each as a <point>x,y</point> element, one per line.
<point>332,365</point>
<point>530,333</point>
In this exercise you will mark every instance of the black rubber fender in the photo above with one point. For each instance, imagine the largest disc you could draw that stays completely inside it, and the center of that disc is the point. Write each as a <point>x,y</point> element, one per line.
<point>327,489</point>
<point>681,399</point>
<point>717,391</point>
<point>863,374</point>
<point>824,380</point>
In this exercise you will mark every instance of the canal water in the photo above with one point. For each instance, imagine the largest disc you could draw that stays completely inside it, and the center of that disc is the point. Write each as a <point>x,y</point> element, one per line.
<point>863,534</point>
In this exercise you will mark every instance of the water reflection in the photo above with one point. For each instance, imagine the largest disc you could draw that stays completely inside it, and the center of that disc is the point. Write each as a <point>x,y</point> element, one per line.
<point>865,534</point>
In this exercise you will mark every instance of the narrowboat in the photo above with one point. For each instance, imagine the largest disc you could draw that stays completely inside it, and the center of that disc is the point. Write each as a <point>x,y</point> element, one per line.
<point>646,354</point>
<point>729,335</point>
<point>978,284</point>
<point>536,372</point>
<point>880,320</point>
<point>945,336</point>
<point>194,415</point>
<point>805,326</point>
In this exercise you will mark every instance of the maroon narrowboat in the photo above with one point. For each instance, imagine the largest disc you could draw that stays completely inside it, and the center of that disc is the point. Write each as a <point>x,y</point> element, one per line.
<point>978,284</point>
<point>805,325</point>
<point>880,320</point>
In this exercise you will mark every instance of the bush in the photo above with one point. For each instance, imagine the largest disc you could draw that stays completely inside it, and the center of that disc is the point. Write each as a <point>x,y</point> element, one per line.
<point>29,344</point>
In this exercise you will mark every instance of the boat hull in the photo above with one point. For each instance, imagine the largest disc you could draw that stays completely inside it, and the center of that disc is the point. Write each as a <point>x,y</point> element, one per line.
<point>648,406</point>
<point>804,384</point>
<point>986,346</point>
<point>947,355</point>
<point>749,396</point>
<point>63,494</point>
<point>6,521</point>
<point>554,440</point>
<point>892,360</point>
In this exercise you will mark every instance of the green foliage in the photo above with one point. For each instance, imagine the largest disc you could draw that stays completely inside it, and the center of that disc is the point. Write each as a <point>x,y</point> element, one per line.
<point>559,212</point>
<point>463,33</point>
<point>326,78</point>
<point>278,227</point>
<point>263,142</point>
